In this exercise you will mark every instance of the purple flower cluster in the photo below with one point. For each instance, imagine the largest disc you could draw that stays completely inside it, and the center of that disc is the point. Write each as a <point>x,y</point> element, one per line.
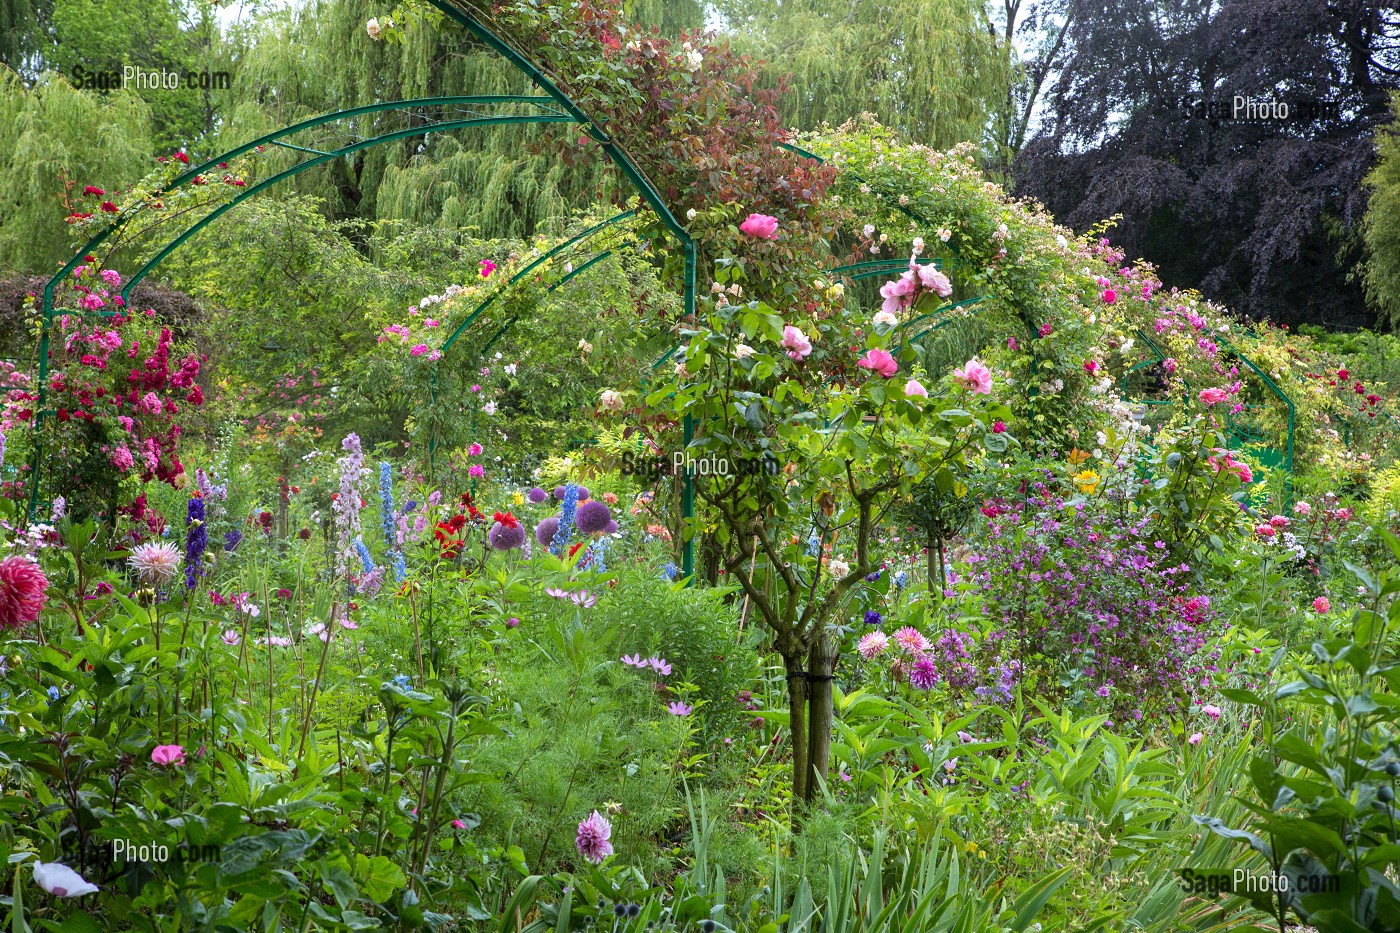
<point>1070,589</point>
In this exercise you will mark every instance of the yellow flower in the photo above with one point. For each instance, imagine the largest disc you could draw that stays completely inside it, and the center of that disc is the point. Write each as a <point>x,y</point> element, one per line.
<point>1087,481</point>
<point>517,499</point>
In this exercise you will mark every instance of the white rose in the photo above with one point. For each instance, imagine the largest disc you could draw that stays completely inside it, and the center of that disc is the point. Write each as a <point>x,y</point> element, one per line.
<point>884,317</point>
<point>743,351</point>
<point>690,214</point>
<point>838,567</point>
<point>372,27</point>
<point>610,400</point>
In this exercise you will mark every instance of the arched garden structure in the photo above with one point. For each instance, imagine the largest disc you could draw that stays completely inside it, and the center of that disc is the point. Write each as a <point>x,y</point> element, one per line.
<point>772,357</point>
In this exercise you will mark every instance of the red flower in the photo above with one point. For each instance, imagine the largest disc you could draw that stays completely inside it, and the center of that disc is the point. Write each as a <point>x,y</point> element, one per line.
<point>506,519</point>
<point>183,158</point>
<point>574,550</point>
<point>91,189</point>
<point>1343,374</point>
<point>22,587</point>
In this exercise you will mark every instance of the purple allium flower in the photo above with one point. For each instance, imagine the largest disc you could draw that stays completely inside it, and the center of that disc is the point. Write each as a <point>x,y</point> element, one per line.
<point>592,516</point>
<point>923,675</point>
<point>545,530</point>
<point>612,527</point>
<point>536,495</point>
<point>593,839</point>
<point>506,538</point>
<point>583,494</point>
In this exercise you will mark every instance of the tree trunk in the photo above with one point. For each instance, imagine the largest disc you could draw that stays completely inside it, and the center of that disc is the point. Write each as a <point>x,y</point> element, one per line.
<point>797,724</point>
<point>821,664</point>
<point>932,553</point>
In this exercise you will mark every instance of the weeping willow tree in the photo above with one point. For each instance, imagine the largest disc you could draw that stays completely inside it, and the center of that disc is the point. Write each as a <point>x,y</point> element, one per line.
<point>930,68</point>
<point>54,140</point>
<point>503,181</point>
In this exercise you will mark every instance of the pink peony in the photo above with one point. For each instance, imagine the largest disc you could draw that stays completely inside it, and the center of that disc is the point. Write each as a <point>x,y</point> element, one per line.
<point>879,361</point>
<point>593,838</point>
<point>974,377</point>
<point>1322,605</point>
<point>797,344</point>
<point>761,226</point>
<point>22,588</point>
<point>914,388</point>
<point>1213,396</point>
<point>168,755</point>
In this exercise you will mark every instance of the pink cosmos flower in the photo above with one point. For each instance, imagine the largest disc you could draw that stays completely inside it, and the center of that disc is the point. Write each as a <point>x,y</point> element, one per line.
<point>678,708</point>
<point>761,226</point>
<point>975,377</point>
<point>797,344</point>
<point>593,839</point>
<point>879,361</point>
<point>231,636</point>
<point>1322,605</point>
<point>914,388</point>
<point>168,755</point>
<point>1213,396</point>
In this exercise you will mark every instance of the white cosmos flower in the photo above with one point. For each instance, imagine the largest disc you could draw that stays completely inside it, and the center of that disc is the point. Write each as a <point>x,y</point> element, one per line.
<point>61,881</point>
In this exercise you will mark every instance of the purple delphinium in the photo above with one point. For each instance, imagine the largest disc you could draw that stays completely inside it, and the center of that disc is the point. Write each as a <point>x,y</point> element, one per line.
<point>232,539</point>
<point>346,506</point>
<point>196,541</point>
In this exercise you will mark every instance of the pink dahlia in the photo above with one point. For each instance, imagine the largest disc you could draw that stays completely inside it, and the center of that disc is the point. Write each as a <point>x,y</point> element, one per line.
<point>155,564</point>
<point>22,587</point>
<point>923,675</point>
<point>911,640</point>
<point>593,838</point>
<point>1322,605</point>
<point>872,644</point>
<point>761,226</point>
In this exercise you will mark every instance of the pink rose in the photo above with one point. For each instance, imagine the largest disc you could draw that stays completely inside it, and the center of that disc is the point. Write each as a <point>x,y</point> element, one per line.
<point>761,226</point>
<point>896,292</point>
<point>797,344</point>
<point>935,281</point>
<point>1213,396</point>
<point>879,361</point>
<point>914,388</point>
<point>1109,296</point>
<point>975,377</point>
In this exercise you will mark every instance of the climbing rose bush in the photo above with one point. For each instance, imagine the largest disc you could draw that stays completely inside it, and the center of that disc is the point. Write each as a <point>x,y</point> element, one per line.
<point>115,395</point>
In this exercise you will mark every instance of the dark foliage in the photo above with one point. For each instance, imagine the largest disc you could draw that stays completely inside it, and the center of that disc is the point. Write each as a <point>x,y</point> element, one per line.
<point>1262,214</point>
